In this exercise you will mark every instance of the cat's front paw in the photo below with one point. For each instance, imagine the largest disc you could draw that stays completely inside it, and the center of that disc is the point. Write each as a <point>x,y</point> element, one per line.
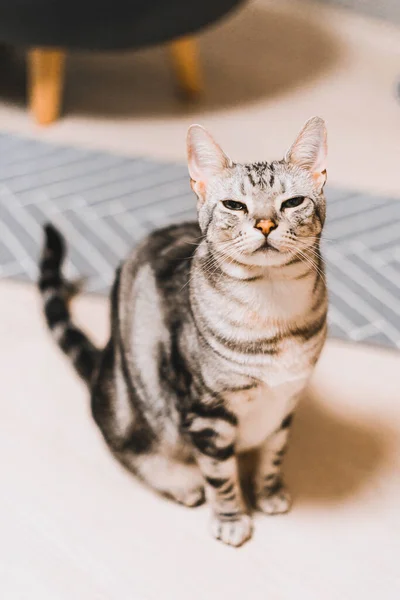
<point>232,531</point>
<point>275,501</point>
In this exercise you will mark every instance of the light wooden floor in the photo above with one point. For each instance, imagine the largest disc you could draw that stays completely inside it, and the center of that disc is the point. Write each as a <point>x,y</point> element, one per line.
<point>75,526</point>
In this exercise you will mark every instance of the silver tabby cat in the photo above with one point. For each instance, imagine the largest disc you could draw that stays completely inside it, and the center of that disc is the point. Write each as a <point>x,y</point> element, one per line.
<point>216,328</point>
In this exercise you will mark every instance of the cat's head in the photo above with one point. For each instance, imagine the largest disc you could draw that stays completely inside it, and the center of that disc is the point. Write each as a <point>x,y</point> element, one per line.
<point>260,213</point>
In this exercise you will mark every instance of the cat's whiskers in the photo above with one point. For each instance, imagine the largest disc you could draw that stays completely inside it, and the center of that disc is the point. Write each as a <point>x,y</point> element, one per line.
<point>312,251</point>
<point>212,259</point>
<point>314,238</point>
<point>294,243</point>
<point>309,249</point>
<point>310,261</point>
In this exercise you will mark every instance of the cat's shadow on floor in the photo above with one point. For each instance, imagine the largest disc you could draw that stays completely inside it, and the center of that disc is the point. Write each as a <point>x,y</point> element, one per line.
<point>331,458</point>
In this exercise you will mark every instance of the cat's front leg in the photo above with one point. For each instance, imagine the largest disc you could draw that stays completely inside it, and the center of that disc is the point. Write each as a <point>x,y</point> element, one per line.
<point>214,440</point>
<point>271,495</point>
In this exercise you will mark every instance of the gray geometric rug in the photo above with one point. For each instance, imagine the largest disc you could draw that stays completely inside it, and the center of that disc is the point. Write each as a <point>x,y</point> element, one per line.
<point>104,204</point>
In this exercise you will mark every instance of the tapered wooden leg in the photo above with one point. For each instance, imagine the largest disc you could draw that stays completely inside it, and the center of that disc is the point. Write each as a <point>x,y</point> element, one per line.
<point>185,61</point>
<point>45,81</point>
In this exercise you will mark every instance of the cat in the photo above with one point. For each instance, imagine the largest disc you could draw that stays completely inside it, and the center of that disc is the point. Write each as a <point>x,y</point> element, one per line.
<point>216,327</point>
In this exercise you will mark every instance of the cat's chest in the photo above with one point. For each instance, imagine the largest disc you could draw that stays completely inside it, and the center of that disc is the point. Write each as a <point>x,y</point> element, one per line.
<point>266,300</point>
<point>261,410</point>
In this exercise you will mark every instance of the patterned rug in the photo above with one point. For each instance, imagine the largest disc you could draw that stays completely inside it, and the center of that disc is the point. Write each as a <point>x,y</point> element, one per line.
<point>105,203</point>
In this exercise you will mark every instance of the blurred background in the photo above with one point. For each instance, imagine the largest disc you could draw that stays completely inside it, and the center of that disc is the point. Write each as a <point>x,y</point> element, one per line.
<point>95,102</point>
<point>94,110</point>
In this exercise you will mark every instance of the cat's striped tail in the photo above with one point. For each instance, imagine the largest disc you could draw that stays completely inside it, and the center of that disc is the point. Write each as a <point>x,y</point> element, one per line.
<point>56,293</point>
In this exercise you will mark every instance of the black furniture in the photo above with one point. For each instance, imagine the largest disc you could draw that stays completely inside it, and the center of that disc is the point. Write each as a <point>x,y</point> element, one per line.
<point>48,28</point>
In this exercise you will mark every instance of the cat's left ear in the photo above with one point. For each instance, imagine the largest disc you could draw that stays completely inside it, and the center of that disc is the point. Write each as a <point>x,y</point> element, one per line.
<point>309,151</point>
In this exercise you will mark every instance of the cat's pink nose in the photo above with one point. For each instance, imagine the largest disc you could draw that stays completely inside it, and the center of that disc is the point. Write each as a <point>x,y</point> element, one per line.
<point>265,226</point>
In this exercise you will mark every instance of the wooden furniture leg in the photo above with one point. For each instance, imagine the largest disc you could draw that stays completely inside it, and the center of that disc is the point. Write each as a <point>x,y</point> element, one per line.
<point>45,83</point>
<point>185,62</point>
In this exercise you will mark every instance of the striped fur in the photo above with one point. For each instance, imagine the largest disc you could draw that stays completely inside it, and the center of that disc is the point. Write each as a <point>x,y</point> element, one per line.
<point>56,293</point>
<point>215,331</point>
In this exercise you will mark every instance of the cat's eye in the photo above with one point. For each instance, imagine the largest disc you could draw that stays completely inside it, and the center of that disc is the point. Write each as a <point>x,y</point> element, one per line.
<point>234,205</point>
<point>293,202</point>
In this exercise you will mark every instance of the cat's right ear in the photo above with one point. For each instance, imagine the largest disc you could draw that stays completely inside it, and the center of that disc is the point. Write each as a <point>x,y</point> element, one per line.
<point>309,151</point>
<point>205,158</point>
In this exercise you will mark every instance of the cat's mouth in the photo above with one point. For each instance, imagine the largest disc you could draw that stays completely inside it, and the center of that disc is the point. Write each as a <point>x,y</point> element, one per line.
<point>266,247</point>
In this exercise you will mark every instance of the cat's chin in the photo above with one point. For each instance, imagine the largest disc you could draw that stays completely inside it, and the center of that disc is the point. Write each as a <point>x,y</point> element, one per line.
<point>268,255</point>
<point>265,257</point>
<point>266,248</point>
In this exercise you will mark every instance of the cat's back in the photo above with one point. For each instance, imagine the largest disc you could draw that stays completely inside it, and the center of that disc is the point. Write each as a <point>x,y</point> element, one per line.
<point>153,291</point>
